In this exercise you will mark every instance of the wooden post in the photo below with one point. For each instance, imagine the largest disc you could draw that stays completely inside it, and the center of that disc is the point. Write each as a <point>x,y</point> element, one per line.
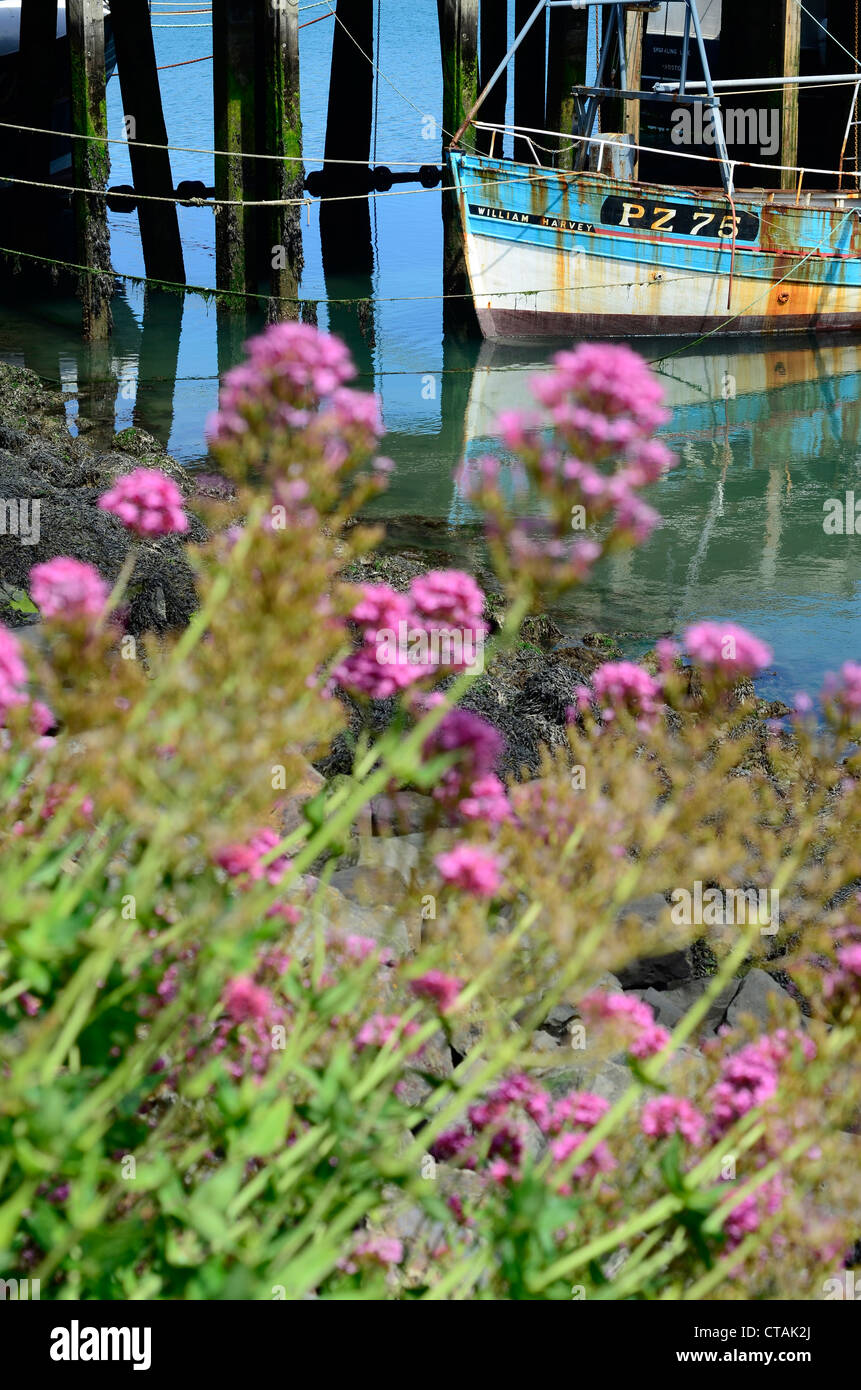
<point>789,115</point>
<point>458,34</point>
<point>529,78</point>
<point>233,31</point>
<point>566,67</point>
<point>458,31</point>
<point>159,222</point>
<point>345,227</point>
<point>493,48</point>
<point>36,76</point>
<point>85,25</point>
<point>280,134</point>
<point>635,27</point>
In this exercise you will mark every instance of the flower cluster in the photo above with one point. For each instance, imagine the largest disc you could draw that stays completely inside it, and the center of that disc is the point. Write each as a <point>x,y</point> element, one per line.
<point>289,369</point>
<point>470,786</point>
<point>146,502</point>
<point>471,869</point>
<point>600,408</point>
<point>68,589</point>
<point>434,629</point>
<point>622,685</point>
<point>496,1139</point>
<point>631,1017</point>
<point>244,861</point>
<point>724,649</point>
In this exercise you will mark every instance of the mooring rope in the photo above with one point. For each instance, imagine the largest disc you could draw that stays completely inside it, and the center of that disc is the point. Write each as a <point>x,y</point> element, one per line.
<point>194,149</point>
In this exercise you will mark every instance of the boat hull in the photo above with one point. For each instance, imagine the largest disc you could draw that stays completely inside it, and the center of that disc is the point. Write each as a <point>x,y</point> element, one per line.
<point>557,255</point>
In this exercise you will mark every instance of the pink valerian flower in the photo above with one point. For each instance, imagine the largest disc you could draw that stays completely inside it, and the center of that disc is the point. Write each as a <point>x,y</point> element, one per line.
<point>454,1144</point>
<point>664,1116</point>
<point>648,460</point>
<point>624,685</point>
<point>726,649</point>
<point>245,861</point>
<point>290,369</point>
<point>471,869</point>
<point>364,673</point>
<point>598,1162</point>
<point>13,673</point>
<point>850,960</point>
<point>448,598</point>
<point>382,1029</point>
<point>379,1249</point>
<point>749,1212</point>
<point>244,1000</point>
<point>748,1079</point>
<point>487,801</point>
<point>380,608</point>
<point>644,1037</point>
<point>146,502</point>
<point>358,412</point>
<point>479,746</point>
<point>843,692</point>
<point>440,989</point>
<point>67,588</point>
<point>611,380</point>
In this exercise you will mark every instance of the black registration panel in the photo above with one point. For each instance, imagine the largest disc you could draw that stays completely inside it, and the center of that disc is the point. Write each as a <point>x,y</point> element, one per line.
<point>679,219</point>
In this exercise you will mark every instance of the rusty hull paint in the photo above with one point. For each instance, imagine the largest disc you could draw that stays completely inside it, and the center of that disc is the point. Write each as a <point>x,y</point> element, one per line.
<point>816,297</point>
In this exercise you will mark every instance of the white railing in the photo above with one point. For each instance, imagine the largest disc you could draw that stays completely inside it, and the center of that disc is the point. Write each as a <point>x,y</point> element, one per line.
<point>524,132</point>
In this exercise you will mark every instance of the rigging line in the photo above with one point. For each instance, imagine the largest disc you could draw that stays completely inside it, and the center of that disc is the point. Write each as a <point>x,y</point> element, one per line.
<point>380,72</point>
<point>164,67</point>
<point>829,34</point>
<point>721,326</point>
<point>193,149</point>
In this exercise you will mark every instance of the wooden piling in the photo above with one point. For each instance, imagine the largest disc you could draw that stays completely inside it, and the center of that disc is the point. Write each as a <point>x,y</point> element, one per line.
<point>458,29</point>
<point>279,133</point>
<point>635,28</point>
<point>35,107</point>
<point>566,67</point>
<point>145,126</point>
<point>345,226</point>
<point>789,106</point>
<point>530,79</point>
<point>85,26</point>
<point>458,34</point>
<point>233,47</point>
<point>493,46</point>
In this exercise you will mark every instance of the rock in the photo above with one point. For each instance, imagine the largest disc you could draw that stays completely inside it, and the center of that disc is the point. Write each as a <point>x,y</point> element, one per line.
<point>755,997</point>
<point>305,782</point>
<point>403,813</point>
<point>660,972</point>
<point>558,1019</point>
<point>667,1010</point>
<point>684,996</point>
<point>334,911</point>
<point>399,853</point>
<point>608,1079</point>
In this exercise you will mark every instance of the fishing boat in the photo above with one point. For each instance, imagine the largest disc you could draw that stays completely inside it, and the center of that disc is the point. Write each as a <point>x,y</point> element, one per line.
<point>594,250</point>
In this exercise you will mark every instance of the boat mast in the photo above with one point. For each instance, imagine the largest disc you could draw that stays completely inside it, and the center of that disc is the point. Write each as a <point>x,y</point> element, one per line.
<point>615,35</point>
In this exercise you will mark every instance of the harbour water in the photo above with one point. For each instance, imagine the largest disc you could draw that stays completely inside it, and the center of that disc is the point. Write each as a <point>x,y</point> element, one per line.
<point>767,432</point>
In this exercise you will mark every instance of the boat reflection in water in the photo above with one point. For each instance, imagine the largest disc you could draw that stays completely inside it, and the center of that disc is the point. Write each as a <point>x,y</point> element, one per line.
<point>766,435</point>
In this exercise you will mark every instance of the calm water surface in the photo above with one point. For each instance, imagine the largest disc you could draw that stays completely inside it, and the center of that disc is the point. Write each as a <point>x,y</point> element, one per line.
<point>766,433</point>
